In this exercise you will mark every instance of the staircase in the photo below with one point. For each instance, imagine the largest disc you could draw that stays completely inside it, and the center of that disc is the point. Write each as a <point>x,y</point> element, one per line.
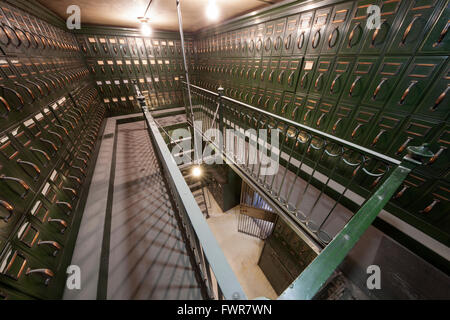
<point>197,188</point>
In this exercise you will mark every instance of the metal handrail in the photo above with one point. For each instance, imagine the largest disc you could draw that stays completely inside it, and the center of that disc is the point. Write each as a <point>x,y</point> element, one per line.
<point>346,143</point>
<point>312,279</point>
<point>208,250</point>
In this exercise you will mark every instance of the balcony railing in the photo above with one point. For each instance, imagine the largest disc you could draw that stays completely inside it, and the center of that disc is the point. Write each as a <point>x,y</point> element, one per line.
<point>330,188</point>
<point>218,277</point>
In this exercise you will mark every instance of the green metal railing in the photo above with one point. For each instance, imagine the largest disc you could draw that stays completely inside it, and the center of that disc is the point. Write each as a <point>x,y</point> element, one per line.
<point>354,177</point>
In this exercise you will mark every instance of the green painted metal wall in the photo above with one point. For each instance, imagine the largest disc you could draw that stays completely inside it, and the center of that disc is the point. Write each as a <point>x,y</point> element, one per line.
<point>320,65</point>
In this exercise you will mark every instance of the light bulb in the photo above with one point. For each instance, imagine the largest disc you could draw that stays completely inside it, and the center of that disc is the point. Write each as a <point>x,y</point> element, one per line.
<point>212,11</point>
<point>146,30</point>
<point>197,172</point>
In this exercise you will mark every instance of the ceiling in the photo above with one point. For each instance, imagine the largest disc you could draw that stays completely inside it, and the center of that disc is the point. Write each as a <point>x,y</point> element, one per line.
<point>162,13</point>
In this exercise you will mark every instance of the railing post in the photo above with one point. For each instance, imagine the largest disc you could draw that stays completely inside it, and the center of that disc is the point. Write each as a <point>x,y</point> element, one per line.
<point>311,280</point>
<point>220,102</point>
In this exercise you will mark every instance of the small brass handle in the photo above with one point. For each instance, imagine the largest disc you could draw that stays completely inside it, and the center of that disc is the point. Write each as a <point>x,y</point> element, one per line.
<point>22,183</point>
<point>291,77</point>
<point>22,102</point>
<point>45,84</point>
<point>302,82</point>
<point>333,84</point>
<point>41,152</point>
<point>62,128</point>
<point>8,208</point>
<point>283,110</point>
<point>401,192</point>
<point>404,145</point>
<point>46,273</point>
<point>64,204</point>
<point>313,43</point>
<point>287,42</point>
<point>443,34</point>
<point>316,85</point>
<point>280,77</point>
<point>320,119</point>
<point>356,130</point>
<point>431,206</point>
<point>6,104</point>
<point>301,40</point>
<point>76,179</point>
<point>254,74</point>
<point>268,44</point>
<point>306,114</point>
<point>28,90</point>
<point>336,124</point>
<point>377,138</point>
<point>56,134</point>
<point>71,191</point>
<point>79,169</point>
<point>271,76</point>
<point>55,148</point>
<point>407,91</point>
<point>32,165</point>
<point>377,90</point>
<point>408,30</point>
<point>278,43</point>
<point>440,99</point>
<point>436,155</point>
<point>331,37</point>
<point>52,244</point>
<point>37,86</point>
<point>261,76</point>
<point>352,35</point>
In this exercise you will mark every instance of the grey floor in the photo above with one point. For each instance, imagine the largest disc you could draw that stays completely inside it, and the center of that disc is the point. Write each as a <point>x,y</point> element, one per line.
<point>148,259</point>
<point>147,256</point>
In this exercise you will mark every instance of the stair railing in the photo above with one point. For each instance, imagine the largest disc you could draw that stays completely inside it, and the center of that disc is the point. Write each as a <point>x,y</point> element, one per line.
<point>219,278</point>
<point>356,179</point>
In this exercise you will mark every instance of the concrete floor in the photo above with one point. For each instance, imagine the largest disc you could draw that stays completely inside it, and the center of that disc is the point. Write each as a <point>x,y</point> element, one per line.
<point>242,251</point>
<point>145,255</point>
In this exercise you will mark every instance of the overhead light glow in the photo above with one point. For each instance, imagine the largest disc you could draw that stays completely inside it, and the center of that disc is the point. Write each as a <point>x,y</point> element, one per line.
<point>212,11</point>
<point>197,172</point>
<point>146,30</point>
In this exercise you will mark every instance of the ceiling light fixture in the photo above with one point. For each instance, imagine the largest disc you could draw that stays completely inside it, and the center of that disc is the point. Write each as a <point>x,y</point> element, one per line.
<point>146,30</point>
<point>212,11</point>
<point>197,172</point>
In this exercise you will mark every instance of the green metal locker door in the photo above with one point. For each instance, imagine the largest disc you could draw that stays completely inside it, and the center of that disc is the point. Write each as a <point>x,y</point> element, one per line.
<point>290,35</point>
<point>338,77</point>
<point>415,83</point>
<point>417,22</point>
<point>385,80</point>
<point>437,40</point>
<point>360,125</point>
<point>436,103</point>
<point>321,75</point>
<point>357,30</point>
<point>340,120</point>
<point>317,38</point>
<point>278,37</point>
<point>306,74</point>
<point>303,33</point>
<point>337,28</point>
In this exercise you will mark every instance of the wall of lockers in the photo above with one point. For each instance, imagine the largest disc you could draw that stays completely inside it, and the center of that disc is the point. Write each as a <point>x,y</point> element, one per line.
<point>50,116</point>
<point>118,58</point>
<point>320,65</point>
